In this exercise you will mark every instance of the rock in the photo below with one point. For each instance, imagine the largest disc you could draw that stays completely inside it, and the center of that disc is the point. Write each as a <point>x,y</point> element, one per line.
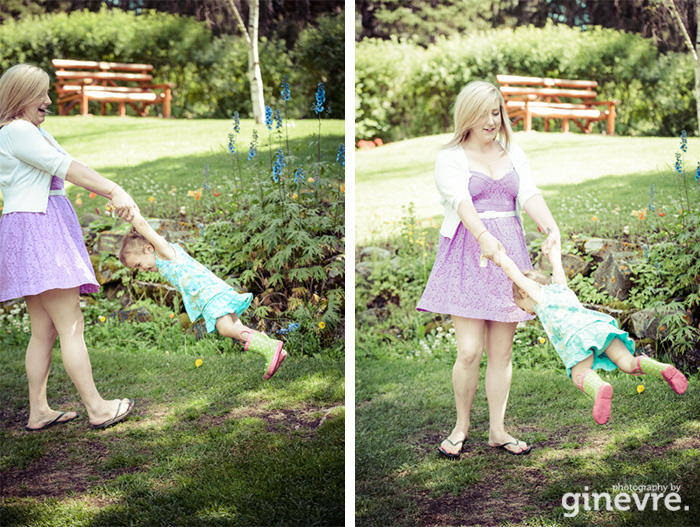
<point>645,324</point>
<point>533,236</point>
<point>599,248</point>
<point>88,218</point>
<point>613,275</point>
<point>374,254</point>
<point>574,264</point>
<point>104,270</point>
<point>108,242</point>
<point>365,269</point>
<point>139,314</point>
<point>198,329</point>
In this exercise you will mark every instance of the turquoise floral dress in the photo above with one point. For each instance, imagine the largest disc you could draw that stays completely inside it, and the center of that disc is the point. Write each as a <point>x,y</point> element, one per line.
<point>204,294</point>
<point>575,331</point>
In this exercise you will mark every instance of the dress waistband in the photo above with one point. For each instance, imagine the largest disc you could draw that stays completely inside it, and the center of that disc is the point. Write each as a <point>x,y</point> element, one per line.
<point>57,192</point>
<point>491,214</point>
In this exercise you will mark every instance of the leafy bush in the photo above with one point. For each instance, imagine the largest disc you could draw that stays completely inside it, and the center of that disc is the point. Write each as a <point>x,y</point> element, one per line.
<point>210,73</point>
<point>404,90</point>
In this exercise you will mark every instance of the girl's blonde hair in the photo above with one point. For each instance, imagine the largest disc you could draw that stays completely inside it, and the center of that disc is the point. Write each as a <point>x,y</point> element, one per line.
<point>537,276</point>
<point>19,86</point>
<point>473,104</point>
<point>132,243</point>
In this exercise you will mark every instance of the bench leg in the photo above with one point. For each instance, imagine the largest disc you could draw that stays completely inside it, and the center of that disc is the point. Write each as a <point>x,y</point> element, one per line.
<point>166,103</point>
<point>122,109</point>
<point>83,105</point>
<point>565,126</point>
<point>611,121</point>
<point>527,123</point>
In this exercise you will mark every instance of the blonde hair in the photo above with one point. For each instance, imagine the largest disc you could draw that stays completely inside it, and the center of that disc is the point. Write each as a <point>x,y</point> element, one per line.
<point>473,103</point>
<point>132,243</point>
<point>19,86</point>
<point>537,276</point>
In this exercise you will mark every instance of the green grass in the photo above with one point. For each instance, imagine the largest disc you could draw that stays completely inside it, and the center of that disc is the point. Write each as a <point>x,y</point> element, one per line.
<point>584,175</point>
<point>214,445</point>
<point>405,409</point>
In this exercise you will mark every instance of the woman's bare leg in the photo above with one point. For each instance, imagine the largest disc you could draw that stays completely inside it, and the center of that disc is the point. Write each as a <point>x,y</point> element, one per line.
<point>38,363</point>
<point>465,376</point>
<point>63,308</point>
<point>499,372</point>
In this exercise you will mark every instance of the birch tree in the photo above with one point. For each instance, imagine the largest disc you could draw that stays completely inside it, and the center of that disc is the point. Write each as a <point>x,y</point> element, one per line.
<point>671,6</point>
<point>250,33</point>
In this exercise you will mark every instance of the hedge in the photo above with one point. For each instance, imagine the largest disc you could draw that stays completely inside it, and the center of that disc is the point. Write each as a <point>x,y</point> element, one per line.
<point>404,90</point>
<point>210,73</point>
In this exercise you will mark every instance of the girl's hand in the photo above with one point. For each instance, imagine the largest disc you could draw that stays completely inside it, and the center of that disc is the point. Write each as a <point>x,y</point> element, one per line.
<point>491,248</point>
<point>553,240</point>
<point>123,204</point>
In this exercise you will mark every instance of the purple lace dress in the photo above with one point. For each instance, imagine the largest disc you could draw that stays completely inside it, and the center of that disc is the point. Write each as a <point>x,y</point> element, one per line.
<point>457,285</point>
<point>43,251</point>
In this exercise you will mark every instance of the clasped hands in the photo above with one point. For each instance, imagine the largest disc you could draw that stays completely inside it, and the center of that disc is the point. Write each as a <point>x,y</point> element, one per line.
<point>123,204</point>
<point>491,247</point>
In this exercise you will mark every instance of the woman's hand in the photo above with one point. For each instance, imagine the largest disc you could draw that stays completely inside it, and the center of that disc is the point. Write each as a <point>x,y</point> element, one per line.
<point>552,240</point>
<point>491,247</point>
<point>123,204</point>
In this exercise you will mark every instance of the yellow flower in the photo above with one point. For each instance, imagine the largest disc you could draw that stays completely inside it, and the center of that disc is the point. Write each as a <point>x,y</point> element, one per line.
<point>640,388</point>
<point>198,363</point>
<point>190,193</point>
<point>594,218</point>
<point>151,199</point>
<point>322,324</point>
<point>172,315</point>
<point>295,196</point>
<point>542,340</point>
<point>102,319</point>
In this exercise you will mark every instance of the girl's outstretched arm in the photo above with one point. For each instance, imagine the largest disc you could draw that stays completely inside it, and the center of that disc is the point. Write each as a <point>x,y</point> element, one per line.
<point>558,274</point>
<point>532,288</point>
<point>160,244</point>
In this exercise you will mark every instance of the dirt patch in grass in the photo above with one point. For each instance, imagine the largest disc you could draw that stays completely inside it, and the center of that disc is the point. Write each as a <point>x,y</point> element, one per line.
<point>57,475</point>
<point>307,419</point>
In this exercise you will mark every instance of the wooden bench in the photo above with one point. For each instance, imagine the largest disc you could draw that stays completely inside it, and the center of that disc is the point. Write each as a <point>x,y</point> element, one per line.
<point>528,97</point>
<point>78,82</point>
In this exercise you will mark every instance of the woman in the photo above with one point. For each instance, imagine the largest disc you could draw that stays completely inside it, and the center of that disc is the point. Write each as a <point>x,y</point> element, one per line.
<point>42,254</point>
<point>482,183</point>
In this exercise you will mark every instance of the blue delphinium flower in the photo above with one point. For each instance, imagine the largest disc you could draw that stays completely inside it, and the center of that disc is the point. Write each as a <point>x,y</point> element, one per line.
<point>320,98</point>
<point>340,158</point>
<point>278,165</point>
<point>684,141</point>
<point>253,146</point>
<point>298,175</point>
<point>289,329</point>
<point>231,143</point>
<point>268,117</point>
<point>679,163</point>
<point>697,172</point>
<point>236,123</point>
<point>285,88</point>
<point>278,119</point>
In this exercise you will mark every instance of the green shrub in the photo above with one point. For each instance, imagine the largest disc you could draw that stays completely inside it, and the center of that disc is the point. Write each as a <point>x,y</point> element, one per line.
<point>210,73</point>
<point>404,90</point>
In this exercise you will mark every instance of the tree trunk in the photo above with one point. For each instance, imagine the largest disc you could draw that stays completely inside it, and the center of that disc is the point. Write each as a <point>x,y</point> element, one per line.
<point>254,76</point>
<point>257,98</point>
<point>689,43</point>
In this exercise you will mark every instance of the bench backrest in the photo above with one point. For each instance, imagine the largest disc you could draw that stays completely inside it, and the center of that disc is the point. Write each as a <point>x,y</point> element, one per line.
<point>61,64</point>
<point>516,86</point>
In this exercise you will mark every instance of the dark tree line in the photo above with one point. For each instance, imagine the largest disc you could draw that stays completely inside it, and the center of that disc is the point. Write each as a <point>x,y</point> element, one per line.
<point>425,20</point>
<point>283,19</point>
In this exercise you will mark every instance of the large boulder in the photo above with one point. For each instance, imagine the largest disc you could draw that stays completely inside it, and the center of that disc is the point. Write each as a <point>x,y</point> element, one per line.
<point>613,274</point>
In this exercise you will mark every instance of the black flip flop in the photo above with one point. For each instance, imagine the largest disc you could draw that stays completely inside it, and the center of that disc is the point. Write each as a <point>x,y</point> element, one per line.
<point>117,418</point>
<point>52,423</point>
<point>517,442</point>
<point>450,455</point>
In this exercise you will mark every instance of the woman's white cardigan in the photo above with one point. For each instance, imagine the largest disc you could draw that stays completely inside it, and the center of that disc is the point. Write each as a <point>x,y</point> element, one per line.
<point>452,180</point>
<point>27,162</point>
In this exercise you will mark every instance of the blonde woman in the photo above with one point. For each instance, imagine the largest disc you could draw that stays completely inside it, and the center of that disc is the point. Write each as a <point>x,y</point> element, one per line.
<point>483,180</point>
<point>42,254</point>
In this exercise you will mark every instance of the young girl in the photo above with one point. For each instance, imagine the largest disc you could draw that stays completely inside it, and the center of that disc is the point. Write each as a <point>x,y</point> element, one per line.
<point>204,295</point>
<point>585,340</point>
